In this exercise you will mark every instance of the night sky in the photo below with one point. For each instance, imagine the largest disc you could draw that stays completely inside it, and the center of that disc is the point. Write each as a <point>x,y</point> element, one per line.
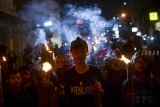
<point>109,8</point>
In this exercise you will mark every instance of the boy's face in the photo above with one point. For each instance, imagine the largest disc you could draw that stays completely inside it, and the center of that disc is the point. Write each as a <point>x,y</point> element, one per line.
<point>26,76</point>
<point>62,61</point>
<point>79,54</point>
<point>140,64</point>
<point>14,80</point>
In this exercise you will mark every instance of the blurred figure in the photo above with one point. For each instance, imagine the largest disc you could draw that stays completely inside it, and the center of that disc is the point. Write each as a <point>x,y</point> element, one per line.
<point>56,50</point>
<point>64,49</point>
<point>138,43</point>
<point>6,65</point>
<point>28,54</point>
<point>14,95</point>
<point>28,85</point>
<point>45,90</point>
<point>13,60</point>
<point>141,89</point>
<point>116,74</point>
<point>154,49</point>
<point>155,44</point>
<point>26,76</point>
<point>128,48</point>
<point>63,62</point>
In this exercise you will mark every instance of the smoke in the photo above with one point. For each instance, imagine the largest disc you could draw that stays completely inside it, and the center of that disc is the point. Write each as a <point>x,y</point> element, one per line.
<point>37,13</point>
<point>40,35</point>
<point>68,22</point>
<point>40,11</point>
<point>92,14</point>
<point>84,21</point>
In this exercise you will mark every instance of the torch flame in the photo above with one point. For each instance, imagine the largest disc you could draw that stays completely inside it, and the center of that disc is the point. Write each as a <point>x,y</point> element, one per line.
<point>46,47</point>
<point>4,59</point>
<point>46,67</point>
<point>125,59</point>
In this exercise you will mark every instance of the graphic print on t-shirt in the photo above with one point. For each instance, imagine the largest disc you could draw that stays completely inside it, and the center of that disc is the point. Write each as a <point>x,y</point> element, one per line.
<point>81,89</point>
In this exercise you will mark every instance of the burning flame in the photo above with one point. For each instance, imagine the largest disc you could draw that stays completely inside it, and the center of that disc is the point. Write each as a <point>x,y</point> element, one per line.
<point>4,59</point>
<point>46,47</point>
<point>46,67</point>
<point>125,59</point>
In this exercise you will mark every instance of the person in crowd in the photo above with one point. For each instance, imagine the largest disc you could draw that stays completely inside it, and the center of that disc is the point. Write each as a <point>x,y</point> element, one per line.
<point>154,51</point>
<point>128,48</point>
<point>45,89</point>
<point>28,85</point>
<point>26,76</point>
<point>116,74</point>
<point>56,50</point>
<point>63,62</point>
<point>155,43</point>
<point>83,83</point>
<point>64,49</point>
<point>138,43</point>
<point>28,54</point>
<point>14,95</point>
<point>141,89</point>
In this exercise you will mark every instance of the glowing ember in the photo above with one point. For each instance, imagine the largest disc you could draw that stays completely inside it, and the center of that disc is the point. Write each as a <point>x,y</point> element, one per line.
<point>46,67</point>
<point>46,47</point>
<point>4,59</point>
<point>125,59</point>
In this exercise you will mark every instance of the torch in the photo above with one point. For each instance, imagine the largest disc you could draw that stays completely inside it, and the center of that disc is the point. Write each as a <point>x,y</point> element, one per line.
<point>98,97</point>
<point>47,67</point>
<point>51,53</point>
<point>1,91</point>
<point>47,48</point>
<point>127,61</point>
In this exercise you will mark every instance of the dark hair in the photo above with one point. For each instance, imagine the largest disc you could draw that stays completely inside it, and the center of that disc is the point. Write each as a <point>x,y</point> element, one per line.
<point>79,43</point>
<point>147,59</point>
<point>11,72</point>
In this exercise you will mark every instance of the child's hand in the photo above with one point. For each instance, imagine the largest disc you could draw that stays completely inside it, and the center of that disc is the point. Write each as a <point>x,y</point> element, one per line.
<point>97,87</point>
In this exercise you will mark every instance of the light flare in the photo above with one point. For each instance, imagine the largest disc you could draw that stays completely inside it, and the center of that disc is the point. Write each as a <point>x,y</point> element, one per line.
<point>127,61</point>
<point>47,48</point>
<point>4,59</point>
<point>46,67</point>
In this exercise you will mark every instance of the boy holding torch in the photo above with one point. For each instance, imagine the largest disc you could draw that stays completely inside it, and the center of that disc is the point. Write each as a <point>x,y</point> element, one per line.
<point>83,83</point>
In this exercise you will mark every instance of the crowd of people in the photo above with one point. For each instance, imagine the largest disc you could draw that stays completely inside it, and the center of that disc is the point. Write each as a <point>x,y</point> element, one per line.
<point>72,82</point>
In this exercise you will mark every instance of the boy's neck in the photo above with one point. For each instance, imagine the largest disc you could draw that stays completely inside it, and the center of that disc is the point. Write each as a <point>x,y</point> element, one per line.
<point>82,68</point>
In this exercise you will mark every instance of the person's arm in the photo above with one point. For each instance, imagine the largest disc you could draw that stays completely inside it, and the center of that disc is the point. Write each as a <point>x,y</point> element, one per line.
<point>99,84</point>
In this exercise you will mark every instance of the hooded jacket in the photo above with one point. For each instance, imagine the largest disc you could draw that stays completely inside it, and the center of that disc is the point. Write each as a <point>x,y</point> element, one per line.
<point>141,89</point>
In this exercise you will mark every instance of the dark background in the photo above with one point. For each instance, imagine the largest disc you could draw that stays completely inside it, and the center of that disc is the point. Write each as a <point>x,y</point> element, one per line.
<point>110,8</point>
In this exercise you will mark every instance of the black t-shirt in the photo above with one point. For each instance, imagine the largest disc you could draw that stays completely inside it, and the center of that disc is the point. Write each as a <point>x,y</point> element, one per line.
<point>138,94</point>
<point>78,87</point>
